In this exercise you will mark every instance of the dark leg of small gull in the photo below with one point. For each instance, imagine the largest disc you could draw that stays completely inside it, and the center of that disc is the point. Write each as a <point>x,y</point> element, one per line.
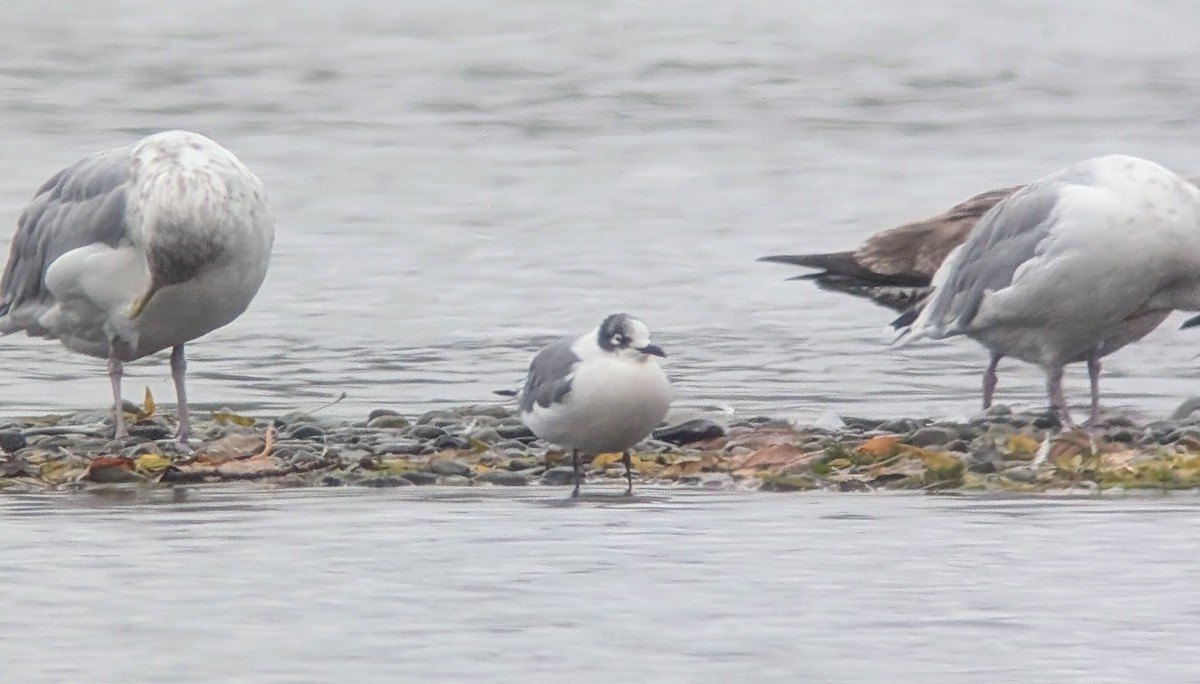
<point>989,381</point>
<point>115,371</point>
<point>1058,402</point>
<point>178,369</point>
<point>628,474</point>
<point>575,463</point>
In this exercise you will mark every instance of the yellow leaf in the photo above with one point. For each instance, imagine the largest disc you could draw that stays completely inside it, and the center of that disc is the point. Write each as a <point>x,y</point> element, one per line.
<point>223,417</point>
<point>151,462</point>
<point>1023,444</point>
<point>395,466</point>
<point>605,460</point>
<point>148,403</point>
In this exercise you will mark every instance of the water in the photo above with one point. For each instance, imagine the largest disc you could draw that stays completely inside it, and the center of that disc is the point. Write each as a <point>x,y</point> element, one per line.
<point>479,585</point>
<point>457,183</point>
<point>454,184</point>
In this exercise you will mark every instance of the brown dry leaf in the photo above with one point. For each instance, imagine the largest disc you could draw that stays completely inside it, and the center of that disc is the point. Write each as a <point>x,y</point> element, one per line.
<point>881,446</point>
<point>256,464</point>
<point>774,455</point>
<point>228,448</point>
<point>110,469</point>
<point>758,439</point>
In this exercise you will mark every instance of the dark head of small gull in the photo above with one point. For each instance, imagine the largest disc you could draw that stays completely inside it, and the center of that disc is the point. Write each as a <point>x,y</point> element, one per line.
<point>600,392</point>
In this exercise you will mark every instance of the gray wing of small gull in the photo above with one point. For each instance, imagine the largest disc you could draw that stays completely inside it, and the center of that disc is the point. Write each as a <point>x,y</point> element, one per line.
<point>81,205</point>
<point>550,374</point>
<point>1006,237</point>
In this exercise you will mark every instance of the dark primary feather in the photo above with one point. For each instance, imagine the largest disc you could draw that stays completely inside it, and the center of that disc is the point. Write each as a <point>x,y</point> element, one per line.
<point>549,379</point>
<point>894,267</point>
<point>81,205</point>
<point>1005,239</point>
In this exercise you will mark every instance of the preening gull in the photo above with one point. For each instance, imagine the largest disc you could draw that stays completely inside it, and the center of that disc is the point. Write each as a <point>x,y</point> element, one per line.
<point>602,392</point>
<point>1071,268</point>
<point>894,267</point>
<point>134,250</point>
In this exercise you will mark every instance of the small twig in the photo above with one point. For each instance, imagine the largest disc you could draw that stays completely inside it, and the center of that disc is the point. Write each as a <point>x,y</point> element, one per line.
<point>340,397</point>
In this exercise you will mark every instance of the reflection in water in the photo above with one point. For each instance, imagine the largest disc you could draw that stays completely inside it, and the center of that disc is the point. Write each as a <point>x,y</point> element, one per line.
<point>674,585</point>
<point>456,184</point>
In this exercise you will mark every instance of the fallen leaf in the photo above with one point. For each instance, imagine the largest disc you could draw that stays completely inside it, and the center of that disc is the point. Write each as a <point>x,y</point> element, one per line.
<point>110,469</point>
<point>151,463</point>
<point>881,446</point>
<point>148,403</point>
<point>605,460</point>
<point>774,455</point>
<point>227,448</point>
<point>224,417</point>
<point>1022,444</point>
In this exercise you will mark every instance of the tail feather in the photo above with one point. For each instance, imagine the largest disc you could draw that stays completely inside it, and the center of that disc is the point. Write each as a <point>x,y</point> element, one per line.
<point>845,267</point>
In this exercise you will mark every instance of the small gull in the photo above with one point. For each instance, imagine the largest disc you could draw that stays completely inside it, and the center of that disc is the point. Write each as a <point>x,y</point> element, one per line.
<point>894,266</point>
<point>1070,269</point>
<point>602,392</point>
<point>133,250</point>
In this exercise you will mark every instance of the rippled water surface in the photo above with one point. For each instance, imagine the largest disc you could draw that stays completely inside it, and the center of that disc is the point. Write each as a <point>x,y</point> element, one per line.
<point>482,585</point>
<point>457,182</point>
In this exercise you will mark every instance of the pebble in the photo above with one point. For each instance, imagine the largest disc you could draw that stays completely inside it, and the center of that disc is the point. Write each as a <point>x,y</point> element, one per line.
<point>307,432</point>
<point>558,476</point>
<point>932,436</point>
<point>387,481</point>
<point>449,467</point>
<point>519,431</point>
<point>381,412</point>
<point>487,435</point>
<point>420,477</point>
<point>426,431</point>
<point>388,422</point>
<point>11,441</point>
<point>455,481</point>
<point>689,431</point>
<point>152,431</point>
<point>430,416</point>
<point>448,441</point>
<point>407,446</point>
<point>503,477</point>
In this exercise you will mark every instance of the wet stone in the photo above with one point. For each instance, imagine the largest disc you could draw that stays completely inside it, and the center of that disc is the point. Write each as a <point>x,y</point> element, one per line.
<point>450,467</point>
<point>380,413</point>
<point>689,431</point>
<point>524,463</point>
<point>295,417</point>
<point>420,477</point>
<point>1022,473</point>
<point>387,422</point>
<point>899,426</point>
<point>408,447</point>
<point>558,476</point>
<point>486,435</point>
<point>454,481</point>
<point>451,442</point>
<point>505,478</point>
<point>519,431</point>
<point>932,436</point>
<point>431,416</point>
<point>387,481</point>
<point>151,431</point>
<point>307,432</point>
<point>11,441</point>
<point>427,432</point>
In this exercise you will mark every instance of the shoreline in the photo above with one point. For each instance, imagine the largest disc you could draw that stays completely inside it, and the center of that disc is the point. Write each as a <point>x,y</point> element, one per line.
<point>486,445</point>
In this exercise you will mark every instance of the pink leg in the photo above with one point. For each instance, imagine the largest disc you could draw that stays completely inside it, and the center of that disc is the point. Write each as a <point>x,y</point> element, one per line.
<point>115,370</point>
<point>989,381</point>
<point>1058,402</point>
<point>178,369</point>
<point>1093,364</point>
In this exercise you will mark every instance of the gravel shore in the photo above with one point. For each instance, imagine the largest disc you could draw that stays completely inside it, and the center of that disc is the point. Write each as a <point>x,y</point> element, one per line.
<point>486,445</point>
